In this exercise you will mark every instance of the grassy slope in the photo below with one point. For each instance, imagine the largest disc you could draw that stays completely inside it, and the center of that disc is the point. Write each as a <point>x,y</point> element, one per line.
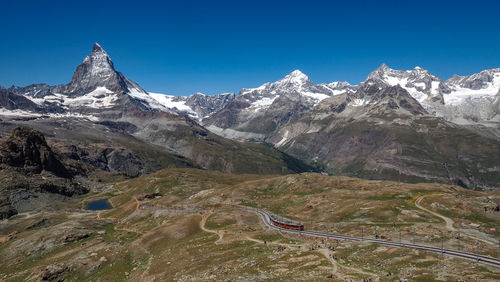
<point>142,245</point>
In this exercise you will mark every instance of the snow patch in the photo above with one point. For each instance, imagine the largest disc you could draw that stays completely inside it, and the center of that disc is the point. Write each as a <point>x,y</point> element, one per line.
<point>284,139</point>
<point>179,105</point>
<point>316,96</point>
<point>141,95</point>
<point>460,94</point>
<point>101,97</point>
<point>359,102</point>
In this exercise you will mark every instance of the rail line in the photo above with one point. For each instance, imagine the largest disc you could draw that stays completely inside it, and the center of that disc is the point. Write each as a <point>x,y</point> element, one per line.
<point>266,218</point>
<point>479,258</point>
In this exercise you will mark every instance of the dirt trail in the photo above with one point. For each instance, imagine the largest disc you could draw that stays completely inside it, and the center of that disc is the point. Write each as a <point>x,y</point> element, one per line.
<point>203,221</point>
<point>449,222</point>
<point>326,253</point>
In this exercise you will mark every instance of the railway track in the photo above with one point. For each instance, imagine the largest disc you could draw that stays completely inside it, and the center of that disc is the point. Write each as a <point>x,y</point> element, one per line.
<point>479,258</point>
<point>266,218</point>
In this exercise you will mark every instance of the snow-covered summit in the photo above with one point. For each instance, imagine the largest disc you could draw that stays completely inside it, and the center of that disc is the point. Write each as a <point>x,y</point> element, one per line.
<point>425,87</point>
<point>295,85</point>
<point>295,80</point>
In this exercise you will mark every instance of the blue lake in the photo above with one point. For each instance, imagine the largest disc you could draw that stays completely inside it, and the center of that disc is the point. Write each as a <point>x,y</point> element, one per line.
<point>99,205</point>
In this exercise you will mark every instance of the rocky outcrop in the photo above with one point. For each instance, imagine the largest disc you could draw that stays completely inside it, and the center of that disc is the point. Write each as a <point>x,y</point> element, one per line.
<point>11,101</point>
<point>53,271</point>
<point>28,167</point>
<point>205,105</point>
<point>28,150</point>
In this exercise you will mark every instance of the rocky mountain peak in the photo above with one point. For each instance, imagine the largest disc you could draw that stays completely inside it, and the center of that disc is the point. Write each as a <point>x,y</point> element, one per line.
<point>295,79</point>
<point>381,73</point>
<point>383,67</point>
<point>96,70</point>
<point>97,48</point>
<point>489,78</point>
<point>425,87</point>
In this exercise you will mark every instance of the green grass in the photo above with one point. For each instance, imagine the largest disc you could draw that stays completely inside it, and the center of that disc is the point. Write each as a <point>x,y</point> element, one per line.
<point>211,224</point>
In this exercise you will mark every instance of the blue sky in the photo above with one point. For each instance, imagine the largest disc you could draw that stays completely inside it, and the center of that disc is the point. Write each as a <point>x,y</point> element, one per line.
<point>182,47</point>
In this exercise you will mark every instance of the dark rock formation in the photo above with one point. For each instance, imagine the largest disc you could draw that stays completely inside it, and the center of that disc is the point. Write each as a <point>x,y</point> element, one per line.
<point>29,168</point>
<point>11,101</point>
<point>27,149</point>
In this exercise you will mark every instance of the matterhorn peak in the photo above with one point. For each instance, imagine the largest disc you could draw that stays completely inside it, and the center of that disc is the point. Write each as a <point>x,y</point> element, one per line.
<point>97,48</point>
<point>96,70</point>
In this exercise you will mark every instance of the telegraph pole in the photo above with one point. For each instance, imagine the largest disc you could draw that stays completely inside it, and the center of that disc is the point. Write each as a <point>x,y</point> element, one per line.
<point>442,244</point>
<point>363,231</point>
<point>375,232</point>
<point>413,235</point>
<point>458,240</point>
<point>477,250</point>
<point>400,236</point>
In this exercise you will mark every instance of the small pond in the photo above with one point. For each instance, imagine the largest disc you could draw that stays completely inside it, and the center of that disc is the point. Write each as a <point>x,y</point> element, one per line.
<point>102,204</point>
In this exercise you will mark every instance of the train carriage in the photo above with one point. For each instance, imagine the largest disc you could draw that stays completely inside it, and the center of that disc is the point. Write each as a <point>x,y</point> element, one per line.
<point>286,224</point>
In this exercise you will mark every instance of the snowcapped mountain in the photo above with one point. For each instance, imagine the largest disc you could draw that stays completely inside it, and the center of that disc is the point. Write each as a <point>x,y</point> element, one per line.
<point>257,111</point>
<point>460,99</point>
<point>383,132</point>
<point>95,87</point>
<point>396,122</point>
<point>196,106</point>
<point>472,99</point>
<point>425,87</point>
<point>296,82</point>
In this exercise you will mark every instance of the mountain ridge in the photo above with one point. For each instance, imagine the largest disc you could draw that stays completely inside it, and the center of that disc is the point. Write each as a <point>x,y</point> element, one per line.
<point>289,114</point>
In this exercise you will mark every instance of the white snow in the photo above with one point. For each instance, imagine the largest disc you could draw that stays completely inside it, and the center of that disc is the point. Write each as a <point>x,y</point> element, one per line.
<point>5,112</point>
<point>141,95</point>
<point>393,81</point>
<point>435,87</point>
<point>359,102</point>
<point>294,81</point>
<point>261,104</point>
<point>168,102</point>
<point>460,94</point>
<point>21,113</point>
<point>316,96</point>
<point>101,97</point>
<point>284,139</point>
<point>420,85</point>
<point>418,95</point>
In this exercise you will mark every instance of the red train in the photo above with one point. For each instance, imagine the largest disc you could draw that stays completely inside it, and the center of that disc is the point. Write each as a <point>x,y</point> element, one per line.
<point>286,224</point>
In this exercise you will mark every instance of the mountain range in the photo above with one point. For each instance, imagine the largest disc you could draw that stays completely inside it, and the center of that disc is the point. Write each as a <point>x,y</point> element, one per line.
<point>406,125</point>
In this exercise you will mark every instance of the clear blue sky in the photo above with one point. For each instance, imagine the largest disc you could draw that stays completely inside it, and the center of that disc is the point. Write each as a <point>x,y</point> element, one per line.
<point>181,47</point>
